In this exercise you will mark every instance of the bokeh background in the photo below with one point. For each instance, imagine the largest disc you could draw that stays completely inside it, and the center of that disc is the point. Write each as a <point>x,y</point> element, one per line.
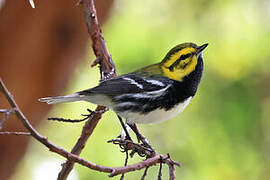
<point>223,134</point>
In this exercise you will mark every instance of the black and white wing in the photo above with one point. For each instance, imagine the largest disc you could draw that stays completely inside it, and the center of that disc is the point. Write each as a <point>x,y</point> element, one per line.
<point>118,89</point>
<point>130,84</point>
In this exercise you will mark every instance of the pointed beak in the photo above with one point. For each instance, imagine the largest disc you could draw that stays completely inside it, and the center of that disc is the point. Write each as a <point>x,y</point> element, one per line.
<point>201,48</point>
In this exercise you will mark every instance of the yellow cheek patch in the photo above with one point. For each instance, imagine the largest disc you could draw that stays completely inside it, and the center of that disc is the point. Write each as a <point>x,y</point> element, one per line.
<point>183,63</point>
<point>184,69</point>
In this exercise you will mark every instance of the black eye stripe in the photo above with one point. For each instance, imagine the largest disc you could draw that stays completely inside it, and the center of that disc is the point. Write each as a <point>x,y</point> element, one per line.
<point>182,57</point>
<point>174,64</point>
<point>185,56</point>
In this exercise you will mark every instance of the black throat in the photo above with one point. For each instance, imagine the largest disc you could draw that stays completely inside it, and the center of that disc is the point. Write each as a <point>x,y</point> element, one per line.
<point>182,90</point>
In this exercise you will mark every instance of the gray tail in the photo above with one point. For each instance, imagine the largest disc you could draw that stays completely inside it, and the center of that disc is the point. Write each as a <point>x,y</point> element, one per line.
<point>61,99</point>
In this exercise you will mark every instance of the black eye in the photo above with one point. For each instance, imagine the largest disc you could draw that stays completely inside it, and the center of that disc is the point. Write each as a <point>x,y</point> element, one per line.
<point>171,68</point>
<point>185,56</point>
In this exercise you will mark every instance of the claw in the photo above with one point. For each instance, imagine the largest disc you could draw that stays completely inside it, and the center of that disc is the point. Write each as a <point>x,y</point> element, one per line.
<point>146,143</point>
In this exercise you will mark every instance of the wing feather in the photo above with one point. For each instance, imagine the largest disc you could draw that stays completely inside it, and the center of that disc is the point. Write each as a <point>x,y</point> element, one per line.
<point>129,84</point>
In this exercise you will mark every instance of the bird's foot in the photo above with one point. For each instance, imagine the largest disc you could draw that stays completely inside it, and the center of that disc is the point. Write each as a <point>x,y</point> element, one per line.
<point>140,137</point>
<point>91,112</point>
<point>145,143</point>
<point>127,145</point>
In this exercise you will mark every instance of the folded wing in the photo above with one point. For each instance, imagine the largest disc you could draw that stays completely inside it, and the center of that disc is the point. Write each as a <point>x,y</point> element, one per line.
<point>129,84</point>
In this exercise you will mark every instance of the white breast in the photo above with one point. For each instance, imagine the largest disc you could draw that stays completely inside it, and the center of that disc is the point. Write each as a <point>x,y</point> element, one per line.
<point>157,116</point>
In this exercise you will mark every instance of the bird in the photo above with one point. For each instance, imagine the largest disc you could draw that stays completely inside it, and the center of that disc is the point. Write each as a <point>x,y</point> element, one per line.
<point>152,94</point>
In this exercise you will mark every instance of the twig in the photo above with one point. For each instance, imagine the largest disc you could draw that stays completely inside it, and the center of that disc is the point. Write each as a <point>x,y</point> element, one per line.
<point>107,70</point>
<point>15,133</point>
<point>52,147</point>
<point>126,161</point>
<point>171,165</point>
<point>6,113</point>
<point>87,116</point>
<point>144,173</point>
<point>172,172</point>
<point>32,3</point>
<point>152,158</point>
<point>87,131</point>
<point>4,110</point>
<point>67,120</point>
<point>56,149</point>
<point>157,158</point>
<point>160,170</point>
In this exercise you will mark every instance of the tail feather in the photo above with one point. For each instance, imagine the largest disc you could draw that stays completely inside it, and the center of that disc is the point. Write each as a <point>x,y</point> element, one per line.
<point>61,99</point>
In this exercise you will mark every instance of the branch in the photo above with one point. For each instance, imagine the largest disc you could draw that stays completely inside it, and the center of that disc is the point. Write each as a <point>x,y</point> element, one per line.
<point>52,147</point>
<point>16,133</point>
<point>86,116</point>
<point>107,70</point>
<point>152,158</point>
<point>157,158</point>
<point>32,3</point>
<point>6,113</point>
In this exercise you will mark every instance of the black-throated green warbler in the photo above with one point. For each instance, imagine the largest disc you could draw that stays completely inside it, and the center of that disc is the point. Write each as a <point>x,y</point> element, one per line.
<point>152,94</point>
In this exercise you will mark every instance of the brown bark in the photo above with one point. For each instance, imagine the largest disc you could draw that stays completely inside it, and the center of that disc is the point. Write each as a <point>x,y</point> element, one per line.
<point>107,70</point>
<point>39,49</point>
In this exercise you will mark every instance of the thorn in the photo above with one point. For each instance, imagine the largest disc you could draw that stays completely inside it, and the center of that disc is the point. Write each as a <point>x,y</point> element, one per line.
<point>96,61</point>
<point>32,4</point>
<point>112,173</point>
<point>79,2</point>
<point>89,110</point>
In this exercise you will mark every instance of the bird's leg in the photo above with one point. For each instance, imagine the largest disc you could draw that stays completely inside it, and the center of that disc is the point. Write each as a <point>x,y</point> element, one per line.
<point>140,136</point>
<point>123,135</point>
<point>127,136</point>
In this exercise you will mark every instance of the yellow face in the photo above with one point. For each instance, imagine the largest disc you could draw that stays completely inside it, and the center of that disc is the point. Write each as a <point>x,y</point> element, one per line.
<point>180,63</point>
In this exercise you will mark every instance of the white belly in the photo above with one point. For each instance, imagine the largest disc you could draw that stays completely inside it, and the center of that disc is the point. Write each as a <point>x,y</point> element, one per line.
<point>157,116</point>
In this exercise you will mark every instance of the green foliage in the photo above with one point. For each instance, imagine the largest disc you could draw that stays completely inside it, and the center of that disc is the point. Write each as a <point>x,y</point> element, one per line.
<point>224,132</point>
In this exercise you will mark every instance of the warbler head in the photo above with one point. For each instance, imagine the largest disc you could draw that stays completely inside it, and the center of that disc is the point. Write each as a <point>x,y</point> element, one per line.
<point>182,60</point>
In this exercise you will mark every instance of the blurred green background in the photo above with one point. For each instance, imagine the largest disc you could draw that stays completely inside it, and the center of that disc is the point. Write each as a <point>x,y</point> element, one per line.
<point>223,134</point>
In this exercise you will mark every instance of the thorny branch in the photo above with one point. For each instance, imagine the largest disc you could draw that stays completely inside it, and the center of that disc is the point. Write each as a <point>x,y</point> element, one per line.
<point>107,70</point>
<point>154,159</point>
